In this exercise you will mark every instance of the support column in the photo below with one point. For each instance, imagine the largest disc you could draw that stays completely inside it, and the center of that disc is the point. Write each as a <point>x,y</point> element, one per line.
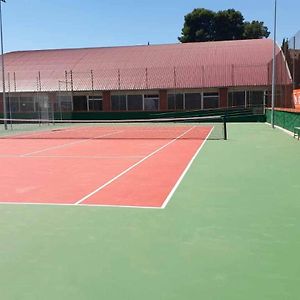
<point>52,97</point>
<point>288,96</point>
<point>163,100</point>
<point>1,104</point>
<point>106,101</point>
<point>223,92</point>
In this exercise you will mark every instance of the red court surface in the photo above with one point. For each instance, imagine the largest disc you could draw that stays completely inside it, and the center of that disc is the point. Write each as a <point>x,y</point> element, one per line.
<point>131,169</point>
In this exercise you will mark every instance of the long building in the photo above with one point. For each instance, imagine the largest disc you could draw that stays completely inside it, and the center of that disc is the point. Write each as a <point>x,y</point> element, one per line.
<point>174,77</point>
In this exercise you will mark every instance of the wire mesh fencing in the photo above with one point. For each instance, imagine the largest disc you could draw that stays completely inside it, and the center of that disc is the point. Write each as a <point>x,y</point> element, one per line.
<point>293,58</point>
<point>176,77</point>
<point>50,92</point>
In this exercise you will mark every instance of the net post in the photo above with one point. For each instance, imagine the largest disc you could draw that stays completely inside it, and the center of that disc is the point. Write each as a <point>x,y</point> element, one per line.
<point>225,127</point>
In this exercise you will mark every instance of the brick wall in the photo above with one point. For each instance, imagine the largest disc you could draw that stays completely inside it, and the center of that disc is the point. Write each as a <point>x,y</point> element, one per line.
<point>163,100</point>
<point>223,92</point>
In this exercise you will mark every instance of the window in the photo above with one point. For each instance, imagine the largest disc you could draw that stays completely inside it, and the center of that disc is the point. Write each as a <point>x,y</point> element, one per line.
<point>13,104</point>
<point>246,98</point>
<point>26,104</point>
<point>63,103</point>
<point>119,102</point>
<point>193,101</point>
<point>42,106</point>
<point>80,103</point>
<point>151,102</point>
<point>236,99</point>
<point>175,101</point>
<point>94,103</point>
<point>135,102</point>
<point>210,100</point>
<point>255,98</point>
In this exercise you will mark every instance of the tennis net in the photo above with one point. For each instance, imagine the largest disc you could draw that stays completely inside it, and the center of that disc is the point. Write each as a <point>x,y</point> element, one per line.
<point>212,127</point>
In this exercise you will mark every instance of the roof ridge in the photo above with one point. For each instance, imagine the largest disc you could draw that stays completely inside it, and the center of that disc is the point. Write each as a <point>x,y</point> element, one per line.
<point>137,46</point>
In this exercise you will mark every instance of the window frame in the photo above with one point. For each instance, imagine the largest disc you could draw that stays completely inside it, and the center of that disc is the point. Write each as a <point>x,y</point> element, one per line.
<point>154,97</point>
<point>144,96</point>
<point>98,98</point>
<point>203,94</point>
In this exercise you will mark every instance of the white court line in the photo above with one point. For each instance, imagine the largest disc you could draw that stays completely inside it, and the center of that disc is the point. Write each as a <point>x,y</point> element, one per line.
<point>75,156</point>
<point>184,172</point>
<point>71,143</point>
<point>42,131</point>
<point>132,167</point>
<point>124,206</point>
<point>282,129</point>
<point>79,205</point>
<point>54,130</point>
<point>86,156</point>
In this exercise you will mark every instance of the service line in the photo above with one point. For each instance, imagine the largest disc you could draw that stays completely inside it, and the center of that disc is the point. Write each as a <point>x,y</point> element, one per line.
<point>70,143</point>
<point>132,167</point>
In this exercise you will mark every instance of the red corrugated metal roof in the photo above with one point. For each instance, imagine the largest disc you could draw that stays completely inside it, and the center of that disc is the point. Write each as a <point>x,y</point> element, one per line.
<point>191,65</point>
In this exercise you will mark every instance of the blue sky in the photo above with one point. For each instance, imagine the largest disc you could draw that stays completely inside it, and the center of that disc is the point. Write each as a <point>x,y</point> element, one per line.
<point>44,24</point>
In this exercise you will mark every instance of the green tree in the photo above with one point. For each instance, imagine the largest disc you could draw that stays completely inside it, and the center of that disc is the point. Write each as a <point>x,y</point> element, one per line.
<point>199,26</point>
<point>229,25</point>
<point>255,30</point>
<point>285,45</point>
<point>203,25</point>
<point>287,53</point>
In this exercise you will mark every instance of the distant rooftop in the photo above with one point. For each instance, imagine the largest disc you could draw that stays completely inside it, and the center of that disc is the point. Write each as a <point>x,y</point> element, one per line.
<point>294,42</point>
<point>208,64</point>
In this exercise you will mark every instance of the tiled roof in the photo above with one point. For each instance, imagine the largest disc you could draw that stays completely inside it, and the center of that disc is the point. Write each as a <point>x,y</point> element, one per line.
<point>191,65</point>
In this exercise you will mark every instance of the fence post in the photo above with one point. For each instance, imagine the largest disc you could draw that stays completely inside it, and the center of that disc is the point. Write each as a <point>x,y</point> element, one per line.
<point>92,80</point>
<point>146,74</point>
<point>71,78</point>
<point>15,82</point>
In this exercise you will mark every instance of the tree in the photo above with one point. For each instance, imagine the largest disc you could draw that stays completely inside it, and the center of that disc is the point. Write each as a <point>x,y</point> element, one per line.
<point>203,25</point>
<point>199,26</point>
<point>255,30</point>
<point>229,25</point>
<point>285,45</point>
<point>287,53</point>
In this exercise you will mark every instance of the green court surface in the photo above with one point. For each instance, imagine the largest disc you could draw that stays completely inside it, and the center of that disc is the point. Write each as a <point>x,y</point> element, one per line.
<point>231,231</point>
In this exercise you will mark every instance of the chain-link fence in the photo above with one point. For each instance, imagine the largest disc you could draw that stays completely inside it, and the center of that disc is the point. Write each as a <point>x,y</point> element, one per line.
<point>283,82</point>
<point>49,93</point>
<point>293,58</point>
<point>176,77</point>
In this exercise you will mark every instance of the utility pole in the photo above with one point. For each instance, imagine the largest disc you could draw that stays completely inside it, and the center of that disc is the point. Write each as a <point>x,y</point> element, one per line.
<point>274,66</point>
<point>3,69</point>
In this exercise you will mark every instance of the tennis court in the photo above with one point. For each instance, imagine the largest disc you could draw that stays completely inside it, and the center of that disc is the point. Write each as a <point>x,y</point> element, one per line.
<point>230,231</point>
<point>97,164</point>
